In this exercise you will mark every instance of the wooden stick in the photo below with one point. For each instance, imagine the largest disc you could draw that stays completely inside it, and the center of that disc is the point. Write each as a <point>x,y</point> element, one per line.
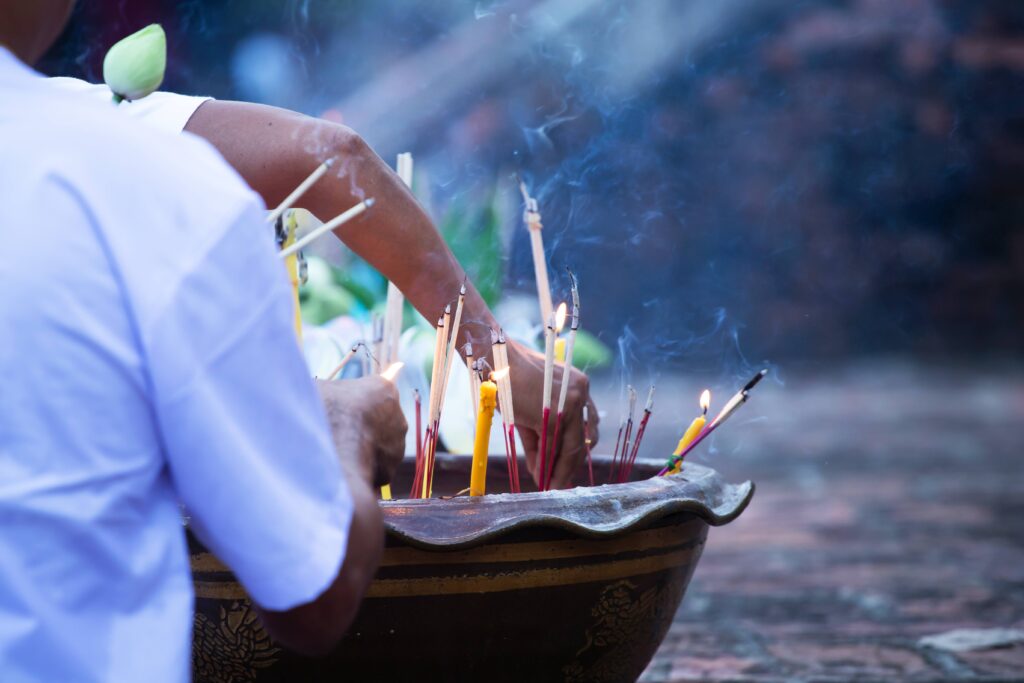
<point>474,398</point>
<point>531,216</point>
<point>439,340</point>
<point>549,368</point>
<point>344,361</point>
<point>335,222</point>
<point>317,173</point>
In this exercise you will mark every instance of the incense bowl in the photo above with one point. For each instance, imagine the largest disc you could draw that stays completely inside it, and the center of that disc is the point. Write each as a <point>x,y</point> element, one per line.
<point>575,585</point>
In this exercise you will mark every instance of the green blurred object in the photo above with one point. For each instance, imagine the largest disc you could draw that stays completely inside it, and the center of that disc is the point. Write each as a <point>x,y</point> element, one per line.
<point>590,352</point>
<point>134,67</point>
<point>473,233</point>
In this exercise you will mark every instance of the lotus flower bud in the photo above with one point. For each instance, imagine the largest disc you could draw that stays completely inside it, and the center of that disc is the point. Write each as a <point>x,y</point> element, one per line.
<point>134,66</point>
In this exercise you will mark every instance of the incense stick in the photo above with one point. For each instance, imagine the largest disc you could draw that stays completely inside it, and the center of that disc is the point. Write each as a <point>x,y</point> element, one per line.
<point>531,216</point>
<point>418,472</point>
<point>335,222</point>
<point>286,204</point>
<point>508,409</point>
<point>641,430</point>
<point>738,399</point>
<point>566,375</point>
<point>344,361</point>
<point>395,298</point>
<point>549,369</point>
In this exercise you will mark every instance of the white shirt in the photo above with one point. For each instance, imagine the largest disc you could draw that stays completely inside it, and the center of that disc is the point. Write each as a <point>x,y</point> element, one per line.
<point>164,110</point>
<point>147,358</point>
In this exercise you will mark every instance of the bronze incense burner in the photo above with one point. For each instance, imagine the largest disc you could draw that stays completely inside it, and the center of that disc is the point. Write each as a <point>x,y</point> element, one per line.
<point>576,585</point>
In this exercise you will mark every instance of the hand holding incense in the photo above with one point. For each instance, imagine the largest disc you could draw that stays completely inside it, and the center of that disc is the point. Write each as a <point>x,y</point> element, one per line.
<point>485,414</point>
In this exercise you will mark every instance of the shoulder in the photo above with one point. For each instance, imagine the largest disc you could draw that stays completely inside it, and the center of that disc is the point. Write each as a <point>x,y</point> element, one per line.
<point>126,167</point>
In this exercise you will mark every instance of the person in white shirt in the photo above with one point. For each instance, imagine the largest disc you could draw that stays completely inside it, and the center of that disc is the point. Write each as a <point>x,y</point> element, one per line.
<point>275,149</point>
<point>149,360</point>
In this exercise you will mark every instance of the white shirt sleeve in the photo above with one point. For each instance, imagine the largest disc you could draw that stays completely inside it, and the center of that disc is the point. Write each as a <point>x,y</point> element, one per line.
<point>246,437</point>
<point>164,110</point>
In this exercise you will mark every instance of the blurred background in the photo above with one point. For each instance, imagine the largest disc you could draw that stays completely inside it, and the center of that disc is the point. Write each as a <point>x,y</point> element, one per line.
<point>833,188</point>
<point>818,180</point>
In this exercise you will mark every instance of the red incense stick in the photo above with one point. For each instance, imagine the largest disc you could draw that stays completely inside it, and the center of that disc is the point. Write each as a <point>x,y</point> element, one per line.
<point>515,457</point>
<point>545,419</point>
<point>586,443</point>
<point>554,451</point>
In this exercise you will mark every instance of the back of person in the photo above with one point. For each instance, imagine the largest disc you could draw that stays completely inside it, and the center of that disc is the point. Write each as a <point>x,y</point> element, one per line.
<point>138,292</point>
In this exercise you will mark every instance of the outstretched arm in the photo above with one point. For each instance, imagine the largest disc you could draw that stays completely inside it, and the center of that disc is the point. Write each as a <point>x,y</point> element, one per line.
<point>275,149</point>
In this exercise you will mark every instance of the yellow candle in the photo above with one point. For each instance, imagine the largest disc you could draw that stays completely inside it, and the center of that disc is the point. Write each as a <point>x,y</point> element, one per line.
<point>693,430</point>
<point>484,416</point>
<point>560,350</point>
<point>291,264</point>
<point>385,492</point>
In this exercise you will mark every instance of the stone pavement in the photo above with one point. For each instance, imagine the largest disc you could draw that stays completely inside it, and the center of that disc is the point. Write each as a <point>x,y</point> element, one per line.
<point>890,506</point>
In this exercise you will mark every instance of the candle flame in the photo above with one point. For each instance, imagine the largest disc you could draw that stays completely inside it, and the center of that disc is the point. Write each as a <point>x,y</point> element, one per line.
<point>560,315</point>
<point>705,400</point>
<point>392,371</point>
<point>499,375</point>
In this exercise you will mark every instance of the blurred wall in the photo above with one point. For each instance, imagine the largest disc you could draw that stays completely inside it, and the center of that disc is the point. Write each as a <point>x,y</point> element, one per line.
<point>732,179</point>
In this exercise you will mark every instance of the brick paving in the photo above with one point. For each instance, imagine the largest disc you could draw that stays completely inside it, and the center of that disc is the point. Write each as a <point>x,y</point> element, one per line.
<point>890,506</point>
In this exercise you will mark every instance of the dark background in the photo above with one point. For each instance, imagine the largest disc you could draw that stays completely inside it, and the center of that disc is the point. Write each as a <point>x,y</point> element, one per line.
<point>733,181</point>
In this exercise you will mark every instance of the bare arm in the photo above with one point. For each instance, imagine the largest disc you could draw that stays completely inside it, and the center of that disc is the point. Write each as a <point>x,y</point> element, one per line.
<point>369,435</point>
<point>275,149</point>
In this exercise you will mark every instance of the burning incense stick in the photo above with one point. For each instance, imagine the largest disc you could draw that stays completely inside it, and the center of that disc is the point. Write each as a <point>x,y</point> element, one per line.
<point>439,341</point>
<point>327,227</point>
<point>317,173</point>
<point>549,369</point>
<point>531,216</point>
<point>566,374</point>
<point>628,465</point>
<point>617,458</point>
<point>507,408</point>
<point>738,399</point>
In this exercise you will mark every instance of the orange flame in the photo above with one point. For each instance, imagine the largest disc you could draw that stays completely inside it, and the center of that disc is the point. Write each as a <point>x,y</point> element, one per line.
<point>560,315</point>
<point>499,375</point>
<point>392,371</point>
<point>705,400</point>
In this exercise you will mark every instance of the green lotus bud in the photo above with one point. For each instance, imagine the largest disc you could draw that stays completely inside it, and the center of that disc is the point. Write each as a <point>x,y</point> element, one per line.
<point>134,66</point>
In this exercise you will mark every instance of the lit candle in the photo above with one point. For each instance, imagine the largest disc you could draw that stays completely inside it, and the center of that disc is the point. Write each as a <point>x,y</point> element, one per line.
<point>292,265</point>
<point>559,324</point>
<point>695,428</point>
<point>484,416</point>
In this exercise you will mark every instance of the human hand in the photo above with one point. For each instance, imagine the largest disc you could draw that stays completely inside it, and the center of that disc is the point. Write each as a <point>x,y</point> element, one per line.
<point>367,424</point>
<point>527,374</point>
